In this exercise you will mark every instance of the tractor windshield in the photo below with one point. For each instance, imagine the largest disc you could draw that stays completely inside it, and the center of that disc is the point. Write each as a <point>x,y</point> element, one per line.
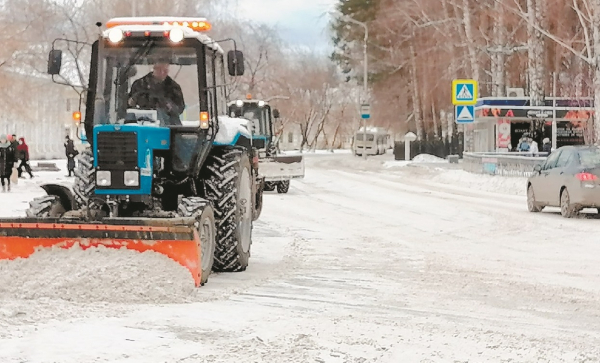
<point>259,117</point>
<point>151,83</point>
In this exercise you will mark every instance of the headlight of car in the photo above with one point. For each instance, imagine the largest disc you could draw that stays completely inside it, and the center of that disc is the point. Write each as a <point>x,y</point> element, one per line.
<point>103,178</point>
<point>132,178</point>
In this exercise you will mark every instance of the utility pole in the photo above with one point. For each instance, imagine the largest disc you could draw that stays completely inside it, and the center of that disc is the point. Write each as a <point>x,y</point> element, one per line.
<point>554,127</point>
<point>365,75</point>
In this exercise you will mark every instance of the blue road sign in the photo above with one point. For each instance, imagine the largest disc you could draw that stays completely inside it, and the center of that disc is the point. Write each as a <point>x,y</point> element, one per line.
<point>464,114</point>
<point>464,92</point>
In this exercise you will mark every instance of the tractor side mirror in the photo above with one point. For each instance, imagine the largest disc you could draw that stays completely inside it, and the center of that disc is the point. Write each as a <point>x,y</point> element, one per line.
<point>54,61</point>
<point>275,113</point>
<point>235,63</point>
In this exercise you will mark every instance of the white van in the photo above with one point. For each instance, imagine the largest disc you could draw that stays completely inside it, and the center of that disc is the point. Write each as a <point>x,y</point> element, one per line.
<point>378,140</point>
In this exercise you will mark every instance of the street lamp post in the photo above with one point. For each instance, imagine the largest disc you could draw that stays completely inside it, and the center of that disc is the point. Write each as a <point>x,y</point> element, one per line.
<point>365,74</point>
<point>554,128</point>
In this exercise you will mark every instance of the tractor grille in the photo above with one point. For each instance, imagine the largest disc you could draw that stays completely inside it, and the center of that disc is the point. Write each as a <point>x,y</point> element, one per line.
<point>117,150</point>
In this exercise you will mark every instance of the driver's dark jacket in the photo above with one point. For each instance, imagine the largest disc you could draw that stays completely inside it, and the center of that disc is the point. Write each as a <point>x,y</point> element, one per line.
<point>149,93</point>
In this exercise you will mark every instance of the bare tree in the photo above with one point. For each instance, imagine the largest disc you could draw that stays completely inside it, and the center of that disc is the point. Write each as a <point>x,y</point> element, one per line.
<point>535,42</point>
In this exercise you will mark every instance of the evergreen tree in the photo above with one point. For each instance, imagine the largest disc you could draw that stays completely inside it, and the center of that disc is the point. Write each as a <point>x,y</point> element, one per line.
<point>348,36</point>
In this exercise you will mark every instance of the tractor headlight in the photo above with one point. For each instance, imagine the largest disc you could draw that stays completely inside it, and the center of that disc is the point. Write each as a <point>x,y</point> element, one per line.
<point>261,103</point>
<point>115,35</point>
<point>176,35</point>
<point>103,178</point>
<point>239,103</point>
<point>131,178</point>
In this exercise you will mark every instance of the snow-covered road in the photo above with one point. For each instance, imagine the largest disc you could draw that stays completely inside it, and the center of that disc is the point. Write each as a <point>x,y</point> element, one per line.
<point>360,262</point>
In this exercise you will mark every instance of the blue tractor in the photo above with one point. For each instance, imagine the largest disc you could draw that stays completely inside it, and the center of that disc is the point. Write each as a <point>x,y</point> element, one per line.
<point>171,170</point>
<point>276,170</point>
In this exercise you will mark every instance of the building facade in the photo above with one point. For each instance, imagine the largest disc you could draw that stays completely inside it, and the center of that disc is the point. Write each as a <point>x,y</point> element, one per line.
<point>501,122</point>
<point>41,112</point>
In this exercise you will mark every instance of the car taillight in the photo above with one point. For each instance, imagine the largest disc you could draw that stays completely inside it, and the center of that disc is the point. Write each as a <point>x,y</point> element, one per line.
<point>586,176</point>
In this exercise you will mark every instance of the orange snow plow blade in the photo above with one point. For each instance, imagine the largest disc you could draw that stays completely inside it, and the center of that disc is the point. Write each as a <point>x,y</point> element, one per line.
<point>176,238</point>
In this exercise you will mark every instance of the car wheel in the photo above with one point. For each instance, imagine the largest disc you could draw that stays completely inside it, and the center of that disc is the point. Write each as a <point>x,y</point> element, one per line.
<point>567,210</point>
<point>532,205</point>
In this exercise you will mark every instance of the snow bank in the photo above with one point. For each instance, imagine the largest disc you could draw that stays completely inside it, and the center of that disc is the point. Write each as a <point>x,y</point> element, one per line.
<point>489,183</point>
<point>96,275</point>
<point>396,164</point>
<point>427,158</point>
<point>421,158</point>
<point>466,180</point>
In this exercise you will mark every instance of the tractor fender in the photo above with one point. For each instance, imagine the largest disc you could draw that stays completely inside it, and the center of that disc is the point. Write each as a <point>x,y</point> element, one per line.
<point>233,132</point>
<point>63,192</point>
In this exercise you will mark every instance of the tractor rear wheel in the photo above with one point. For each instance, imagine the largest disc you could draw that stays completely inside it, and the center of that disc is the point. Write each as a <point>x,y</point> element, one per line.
<point>228,185</point>
<point>283,187</point>
<point>201,209</point>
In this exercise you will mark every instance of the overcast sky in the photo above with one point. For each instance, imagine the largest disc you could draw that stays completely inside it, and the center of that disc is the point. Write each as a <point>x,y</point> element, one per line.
<point>301,22</point>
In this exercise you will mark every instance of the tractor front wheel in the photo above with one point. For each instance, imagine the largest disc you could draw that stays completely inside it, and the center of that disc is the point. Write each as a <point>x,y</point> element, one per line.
<point>228,185</point>
<point>85,178</point>
<point>48,206</point>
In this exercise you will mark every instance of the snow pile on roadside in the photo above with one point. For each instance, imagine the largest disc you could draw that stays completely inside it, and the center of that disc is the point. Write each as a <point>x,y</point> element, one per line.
<point>428,158</point>
<point>489,183</point>
<point>396,164</point>
<point>96,275</point>
<point>421,158</point>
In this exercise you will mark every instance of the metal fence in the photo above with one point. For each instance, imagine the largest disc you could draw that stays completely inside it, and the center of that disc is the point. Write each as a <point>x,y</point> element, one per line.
<point>504,164</point>
<point>437,147</point>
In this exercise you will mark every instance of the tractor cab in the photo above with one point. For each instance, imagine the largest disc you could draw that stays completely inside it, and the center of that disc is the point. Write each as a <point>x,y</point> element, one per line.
<point>260,117</point>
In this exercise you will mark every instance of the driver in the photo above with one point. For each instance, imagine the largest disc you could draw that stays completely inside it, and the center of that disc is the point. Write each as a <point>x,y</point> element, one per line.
<point>158,91</point>
<point>255,122</point>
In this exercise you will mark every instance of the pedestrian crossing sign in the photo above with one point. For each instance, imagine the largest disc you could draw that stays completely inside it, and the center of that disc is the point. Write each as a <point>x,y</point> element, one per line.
<point>464,114</point>
<point>464,92</point>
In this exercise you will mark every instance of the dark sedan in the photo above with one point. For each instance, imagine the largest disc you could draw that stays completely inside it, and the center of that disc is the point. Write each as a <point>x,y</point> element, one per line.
<point>569,179</point>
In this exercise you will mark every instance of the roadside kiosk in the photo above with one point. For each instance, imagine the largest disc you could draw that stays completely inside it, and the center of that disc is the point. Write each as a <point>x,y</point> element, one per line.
<point>501,121</point>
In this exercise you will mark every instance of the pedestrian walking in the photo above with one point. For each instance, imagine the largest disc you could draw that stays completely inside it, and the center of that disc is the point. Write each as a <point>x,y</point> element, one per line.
<point>23,157</point>
<point>7,162</point>
<point>71,153</point>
